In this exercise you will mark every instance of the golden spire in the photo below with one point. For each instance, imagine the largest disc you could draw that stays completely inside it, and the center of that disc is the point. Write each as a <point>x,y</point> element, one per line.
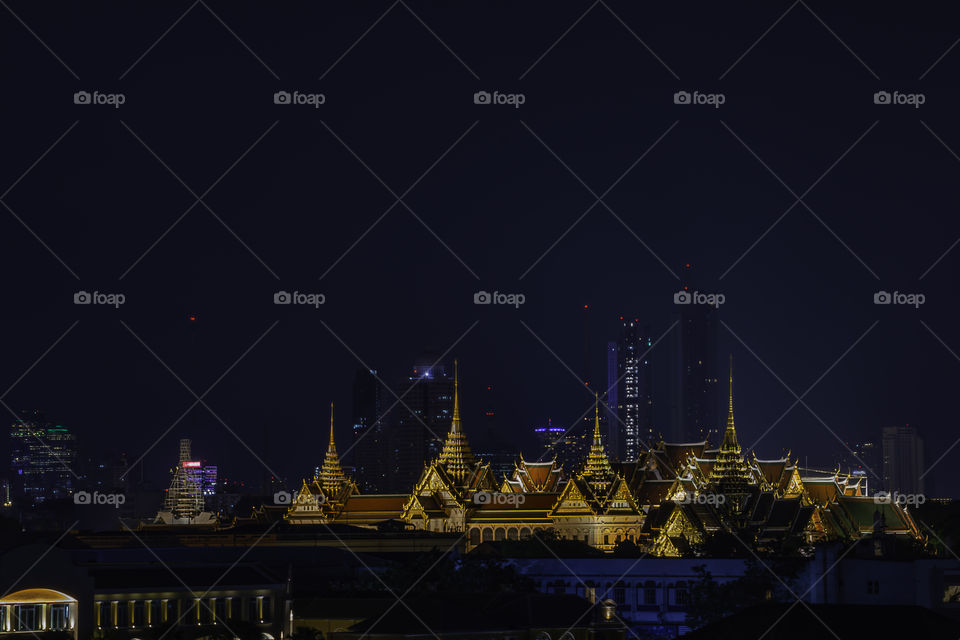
<point>730,433</point>
<point>598,467</point>
<point>331,476</point>
<point>455,424</point>
<point>456,457</point>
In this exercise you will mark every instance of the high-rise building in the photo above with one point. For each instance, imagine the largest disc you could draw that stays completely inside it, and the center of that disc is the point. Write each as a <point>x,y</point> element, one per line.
<point>634,395</point>
<point>417,424</point>
<point>369,434</point>
<point>566,446</point>
<point>611,411</point>
<point>42,458</point>
<point>902,460</point>
<point>693,369</point>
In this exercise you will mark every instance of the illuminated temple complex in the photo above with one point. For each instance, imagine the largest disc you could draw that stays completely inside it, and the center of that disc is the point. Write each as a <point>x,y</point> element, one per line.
<point>669,502</point>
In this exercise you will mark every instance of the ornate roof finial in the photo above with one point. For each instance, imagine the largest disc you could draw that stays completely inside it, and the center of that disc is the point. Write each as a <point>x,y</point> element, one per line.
<point>730,434</point>
<point>331,476</point>
<point>455,425</point>
<point>598,469</point>
<point>456,456</point>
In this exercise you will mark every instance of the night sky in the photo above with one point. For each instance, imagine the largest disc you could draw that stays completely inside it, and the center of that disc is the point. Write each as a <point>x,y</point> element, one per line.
<point>301,198</point>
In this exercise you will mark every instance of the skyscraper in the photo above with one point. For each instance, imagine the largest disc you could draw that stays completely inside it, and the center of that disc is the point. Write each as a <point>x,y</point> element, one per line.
<point>694,371</point>
<point>369,436</point>
<point>42,458</point>
<point>417,425</point>
<point>634,395</point>
<point>902,460</point>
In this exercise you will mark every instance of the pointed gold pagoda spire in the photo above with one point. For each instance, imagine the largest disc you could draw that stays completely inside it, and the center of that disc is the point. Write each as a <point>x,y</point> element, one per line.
<point>730,433</point>
<point>331,476</point>
<point>456,457</point>
<point>598,465</point>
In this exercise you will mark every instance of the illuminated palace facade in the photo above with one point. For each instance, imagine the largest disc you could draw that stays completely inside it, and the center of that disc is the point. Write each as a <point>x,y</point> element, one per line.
<point>668,502</point>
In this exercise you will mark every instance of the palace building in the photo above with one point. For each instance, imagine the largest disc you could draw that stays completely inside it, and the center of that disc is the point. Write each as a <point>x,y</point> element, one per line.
<point>668,502</point>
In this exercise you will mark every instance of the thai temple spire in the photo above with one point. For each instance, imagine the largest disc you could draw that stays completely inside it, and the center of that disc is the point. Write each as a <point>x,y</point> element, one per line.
<point>456,457</point>
<point>598,467</point>
<point>331,476</point>
<point>730,433</point>
<point>730,474</point>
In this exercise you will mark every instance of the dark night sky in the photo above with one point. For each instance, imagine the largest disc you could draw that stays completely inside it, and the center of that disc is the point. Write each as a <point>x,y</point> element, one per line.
<point>799,99</point>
